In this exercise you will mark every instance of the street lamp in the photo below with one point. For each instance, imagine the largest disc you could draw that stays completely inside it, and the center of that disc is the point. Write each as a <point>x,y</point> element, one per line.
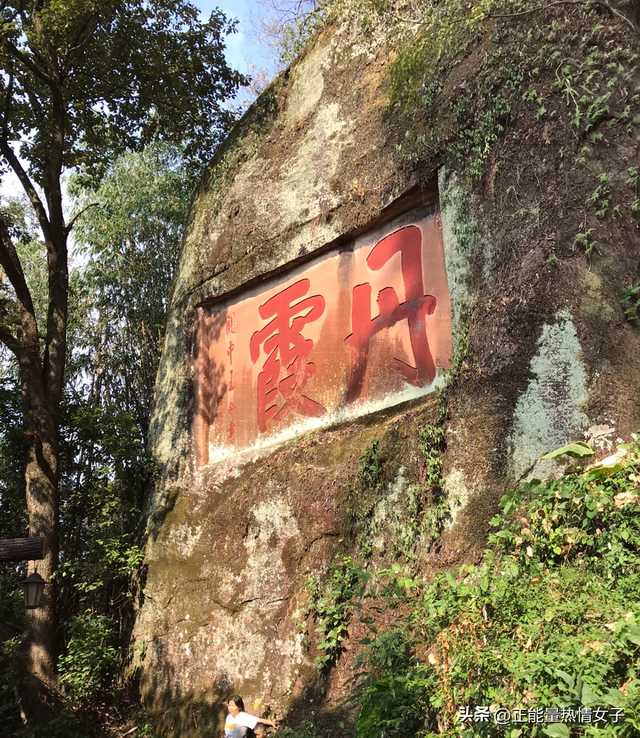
<point>33,590</point>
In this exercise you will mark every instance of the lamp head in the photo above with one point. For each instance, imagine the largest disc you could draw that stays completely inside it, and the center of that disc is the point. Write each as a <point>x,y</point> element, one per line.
<point>33,590</point>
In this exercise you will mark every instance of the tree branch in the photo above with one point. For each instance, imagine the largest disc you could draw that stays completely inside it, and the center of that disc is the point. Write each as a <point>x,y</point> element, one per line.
<point>78,41</point>
<point>54,78</point>
<point>10,262</point>
<point>35,103</point>
<point>9,340</point>
<point>75,217</point>
<point>7,103</point>
<point>23,58</point>
<point>28,187</point>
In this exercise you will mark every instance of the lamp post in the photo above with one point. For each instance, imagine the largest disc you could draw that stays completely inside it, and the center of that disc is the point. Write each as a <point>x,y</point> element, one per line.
<point>26,549</point>
<point>33,590</point>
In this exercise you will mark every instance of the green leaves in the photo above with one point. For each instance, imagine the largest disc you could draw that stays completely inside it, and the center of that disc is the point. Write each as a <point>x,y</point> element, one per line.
<point>370,469</point>
<point>129,233</point>
<point>510,500</point>
<point>631,300</point>
<point>576,450</point>
<point>341,592</point>
<point>121,74</point>
<point>549,618</point>
<point>566,677</point>
<point>557,730</point>
<point>91,661</point>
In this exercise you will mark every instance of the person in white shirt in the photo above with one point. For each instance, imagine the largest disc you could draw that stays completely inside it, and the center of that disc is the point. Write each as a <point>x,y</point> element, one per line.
<point>238,721</point>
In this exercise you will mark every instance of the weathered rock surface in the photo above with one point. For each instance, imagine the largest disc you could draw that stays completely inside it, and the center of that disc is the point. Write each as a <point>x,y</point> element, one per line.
<point>551,359</point>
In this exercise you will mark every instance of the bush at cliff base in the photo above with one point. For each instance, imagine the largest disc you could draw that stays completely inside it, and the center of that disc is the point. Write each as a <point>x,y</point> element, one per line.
<point>543,635</point>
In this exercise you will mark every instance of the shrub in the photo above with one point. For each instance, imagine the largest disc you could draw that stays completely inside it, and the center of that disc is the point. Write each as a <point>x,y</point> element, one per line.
<point>89,667</point>
<point>549,620</point>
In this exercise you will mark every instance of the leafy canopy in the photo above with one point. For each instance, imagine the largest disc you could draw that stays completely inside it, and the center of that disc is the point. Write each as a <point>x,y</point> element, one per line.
<point>95,77</point>
<point>131,241</point>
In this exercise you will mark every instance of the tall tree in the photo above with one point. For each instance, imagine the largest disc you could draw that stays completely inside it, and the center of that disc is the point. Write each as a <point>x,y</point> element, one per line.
<point>80,81</point>
<point>131,241</point>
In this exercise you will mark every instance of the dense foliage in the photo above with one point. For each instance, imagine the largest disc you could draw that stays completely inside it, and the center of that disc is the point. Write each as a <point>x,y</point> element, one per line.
<point>127,242</point>
<point>129,236</point>
<point>550,619</point>
<point>122,74</point>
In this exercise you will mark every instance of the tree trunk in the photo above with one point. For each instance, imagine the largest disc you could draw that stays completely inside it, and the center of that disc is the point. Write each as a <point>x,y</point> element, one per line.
<point>42,480</point>
<point>42,504</point>
<point>42,379</point>
<point>42,363</point>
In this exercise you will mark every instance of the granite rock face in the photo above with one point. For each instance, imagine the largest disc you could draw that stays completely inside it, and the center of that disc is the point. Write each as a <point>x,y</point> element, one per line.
<point>316,163</point>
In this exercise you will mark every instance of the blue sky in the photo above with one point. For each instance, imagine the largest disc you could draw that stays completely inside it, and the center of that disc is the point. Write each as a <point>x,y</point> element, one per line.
<point>243,50</point>
<point>243,47</point>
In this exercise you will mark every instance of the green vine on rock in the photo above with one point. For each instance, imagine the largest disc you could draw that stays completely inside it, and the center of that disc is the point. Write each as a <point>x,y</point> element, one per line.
<point>432,444</point>
<point>334,605</point>
<point>458,363</point>
<point>631,301</point>
<point>370,469</point>
<point>428,506</point>
<point>364,495</point>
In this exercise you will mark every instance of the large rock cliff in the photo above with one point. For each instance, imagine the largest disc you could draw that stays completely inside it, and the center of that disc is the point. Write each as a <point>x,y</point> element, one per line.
<point>495,335</point>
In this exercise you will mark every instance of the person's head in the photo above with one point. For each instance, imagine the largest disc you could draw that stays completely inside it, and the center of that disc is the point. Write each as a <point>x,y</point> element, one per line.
<point>235,705</point>
<point>260,730</point>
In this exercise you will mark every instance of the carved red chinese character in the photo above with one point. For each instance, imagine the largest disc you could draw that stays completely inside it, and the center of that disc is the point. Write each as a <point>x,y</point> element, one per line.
<point>408,243</point>
<point>287,351</point>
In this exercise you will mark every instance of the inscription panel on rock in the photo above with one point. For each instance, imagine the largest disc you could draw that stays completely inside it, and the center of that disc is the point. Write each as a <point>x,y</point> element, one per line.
<point>350,332</point>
